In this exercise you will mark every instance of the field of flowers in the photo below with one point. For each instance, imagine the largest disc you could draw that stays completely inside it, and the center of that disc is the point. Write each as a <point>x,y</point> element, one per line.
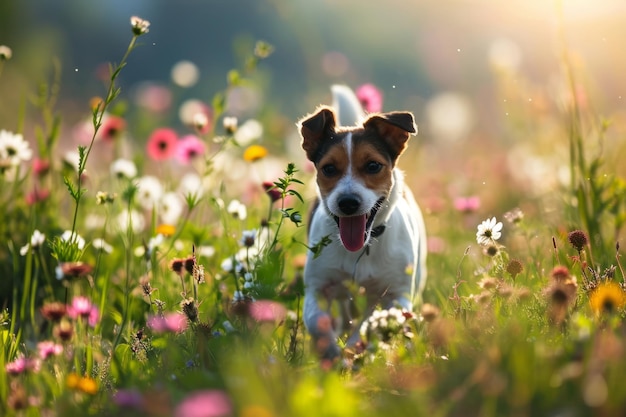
<point>157,271</point>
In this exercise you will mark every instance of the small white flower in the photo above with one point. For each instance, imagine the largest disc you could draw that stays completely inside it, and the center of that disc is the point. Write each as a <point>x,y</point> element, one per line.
<point>237,210</point>
<point>131,218</point>
<point>170,208</point>
<point>101,244</point>
<point>248,237</point>
<point>72,158</point>
<point>140,26</point>
<point>13,148</point>
<point>123,168</point>
<point>36,240</point>
<point>149,191</point>
<point>191,185</point>
<point>205,251</point>
<point>230,124</point>
<point>5,53</point>
<point>248,132</point>
<point>488,231</point>
<point>68,236</point>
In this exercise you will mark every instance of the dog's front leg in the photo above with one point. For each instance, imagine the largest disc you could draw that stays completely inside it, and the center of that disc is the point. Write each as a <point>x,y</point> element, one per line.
<point>320,325</point>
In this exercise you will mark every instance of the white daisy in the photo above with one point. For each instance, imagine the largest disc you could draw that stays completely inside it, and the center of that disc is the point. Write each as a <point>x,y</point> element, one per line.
<point>131,218</point>
<point>123,168</point>
<point>36,240</point>
<point>191,185</point>
<point>170,208</point>
<point>101,244</point>
<point>149,191</point>
<point>237,210</point>
<point>248,132</point>
<point>488,231</point>
<point>13,148</point>
<point>68,236</point>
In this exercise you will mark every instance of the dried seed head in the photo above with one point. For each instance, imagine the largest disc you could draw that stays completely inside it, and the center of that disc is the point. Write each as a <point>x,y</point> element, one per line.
<point>190,309</point>
<point>578,239</point>
<point>560,273</point>
<point>514,267</point>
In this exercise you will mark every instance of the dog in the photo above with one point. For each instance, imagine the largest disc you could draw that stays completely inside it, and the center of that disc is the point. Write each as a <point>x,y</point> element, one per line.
<point>368,220</point>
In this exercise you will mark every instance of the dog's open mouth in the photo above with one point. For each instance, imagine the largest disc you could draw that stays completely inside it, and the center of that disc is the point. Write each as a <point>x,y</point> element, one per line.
<point>354,230</point>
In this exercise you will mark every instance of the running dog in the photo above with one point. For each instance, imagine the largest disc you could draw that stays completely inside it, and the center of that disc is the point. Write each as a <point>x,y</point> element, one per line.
<point>368,220</point>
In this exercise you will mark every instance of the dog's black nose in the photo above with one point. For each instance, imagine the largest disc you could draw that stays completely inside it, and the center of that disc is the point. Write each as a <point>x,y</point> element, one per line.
<point>349,204</point>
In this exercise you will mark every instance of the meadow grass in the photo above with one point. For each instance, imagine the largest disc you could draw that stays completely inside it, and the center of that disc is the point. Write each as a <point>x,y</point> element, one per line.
<point>164,277</point>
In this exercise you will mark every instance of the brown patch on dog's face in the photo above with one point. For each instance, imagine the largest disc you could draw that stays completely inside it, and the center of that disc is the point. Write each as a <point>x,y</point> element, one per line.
<point>371,167</point>
<point>332,167</point>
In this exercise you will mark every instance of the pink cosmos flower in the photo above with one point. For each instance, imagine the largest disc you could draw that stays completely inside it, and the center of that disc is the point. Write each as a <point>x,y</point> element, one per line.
<point>22,365</point>
<point>40,167</point>
<point>168,323</point>
<point>467,204</point>
<point>82,307</point>
<point>188,148</point>
<point>48,348</point>
<point>207,403</point>
<point>162,144</point>
<point>371,98</point>
<point>266,310</point>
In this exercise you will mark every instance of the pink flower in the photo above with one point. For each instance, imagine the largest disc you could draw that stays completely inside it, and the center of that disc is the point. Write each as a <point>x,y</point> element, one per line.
<point>49,348</point>
<point>111,128</point>
<point>265,310</point>
<point>82,307</point>
<point>40,167</point>
<point>154,98</point>
<point>371,98</point>
<point>271,190</point>
<point>37,196</point>
<point>162,144</point>
<point>130,398</point>
<point>207,403</point>
<point>467,204</point>
<point>188,148</point>
<point>22,365</point>
<point>168,323</point>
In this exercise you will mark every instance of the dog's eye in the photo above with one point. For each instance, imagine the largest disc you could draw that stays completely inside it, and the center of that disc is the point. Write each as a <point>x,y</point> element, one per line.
<point>329,170</point>
<point>373,167</point>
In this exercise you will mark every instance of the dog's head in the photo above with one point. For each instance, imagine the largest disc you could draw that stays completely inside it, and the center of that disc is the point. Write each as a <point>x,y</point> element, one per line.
<point>355,166</point>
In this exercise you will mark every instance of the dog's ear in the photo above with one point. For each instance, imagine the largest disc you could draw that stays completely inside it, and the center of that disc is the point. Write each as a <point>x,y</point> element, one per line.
<point>314,128</point>
<point>394,128</point>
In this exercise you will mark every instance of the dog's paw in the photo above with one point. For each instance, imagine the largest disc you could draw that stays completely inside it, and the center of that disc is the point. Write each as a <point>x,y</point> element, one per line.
<point>324,338</point>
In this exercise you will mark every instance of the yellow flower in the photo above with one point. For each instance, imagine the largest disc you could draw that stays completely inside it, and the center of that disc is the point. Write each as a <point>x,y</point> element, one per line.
<point>84,384</point>
<point>607,298</point>
<point>254,153</point>
<point>165,229</point>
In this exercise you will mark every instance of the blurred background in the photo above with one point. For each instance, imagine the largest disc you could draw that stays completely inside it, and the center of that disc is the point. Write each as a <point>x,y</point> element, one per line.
<point>485,79</point>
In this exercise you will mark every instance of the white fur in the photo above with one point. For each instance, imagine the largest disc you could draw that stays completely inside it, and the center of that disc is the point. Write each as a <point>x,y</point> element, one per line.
<point>391,267</point>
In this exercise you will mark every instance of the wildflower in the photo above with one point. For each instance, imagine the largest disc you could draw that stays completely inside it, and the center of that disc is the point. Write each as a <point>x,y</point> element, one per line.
<point>128,398</point>
<point>103,197</point>
<point>198,273</point>
<point>488,231</point>
<point>40,167</point>
<point>5,53</point>
<point>139,25</point>
<point>560,273</point>
<point>168,323</point>
<point>467,204</point>
<point>383,324</point>
<point>22,365</point>
<point>190,108</point>
<point>112,127</point>
<point>514,216</point>
<point>201,123</point>
<point>371,98</point>
<point>71,159</point>
<point>131,219</point>
<point>230,125</point>
<point>54,311</point>
<point>17,398</point>
<point>83,384</point>
<point>153,97</point>
<point>248,238</point>
<point>237,210</point>
<point>101,244</point>
<point>488,283</point>
<point>263,49</point>
<point>177,265</point>
<point>82,307</point>
<point>37,196</point>
<point>206,403</point>
<point>149,191</point>
<point>248,132</point>
<point>170,208</point>
<point>123,168</point>
<point>491,250</point>
<point>189,147</point>
<point>162,144</point>
<point>578,239</point>
<point>165,229</point>
<point>190,309</point>
<point>13,148</point>
<point>270,189</point>
<point>254,153</point>
<point>608,297</point>
<point>36,240</point>
<point>267,311</point>
<point>514,267</point>
<point>75,238</point>
<point>48,348</point>
<point>146,287</point>
<point>68,270</point>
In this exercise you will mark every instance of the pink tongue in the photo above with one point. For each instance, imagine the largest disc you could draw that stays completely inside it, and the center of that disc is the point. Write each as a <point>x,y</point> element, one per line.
<point>352,232</point>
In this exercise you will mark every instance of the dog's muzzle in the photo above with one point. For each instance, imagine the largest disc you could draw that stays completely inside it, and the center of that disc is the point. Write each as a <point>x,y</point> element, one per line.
<point>354,230</point>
